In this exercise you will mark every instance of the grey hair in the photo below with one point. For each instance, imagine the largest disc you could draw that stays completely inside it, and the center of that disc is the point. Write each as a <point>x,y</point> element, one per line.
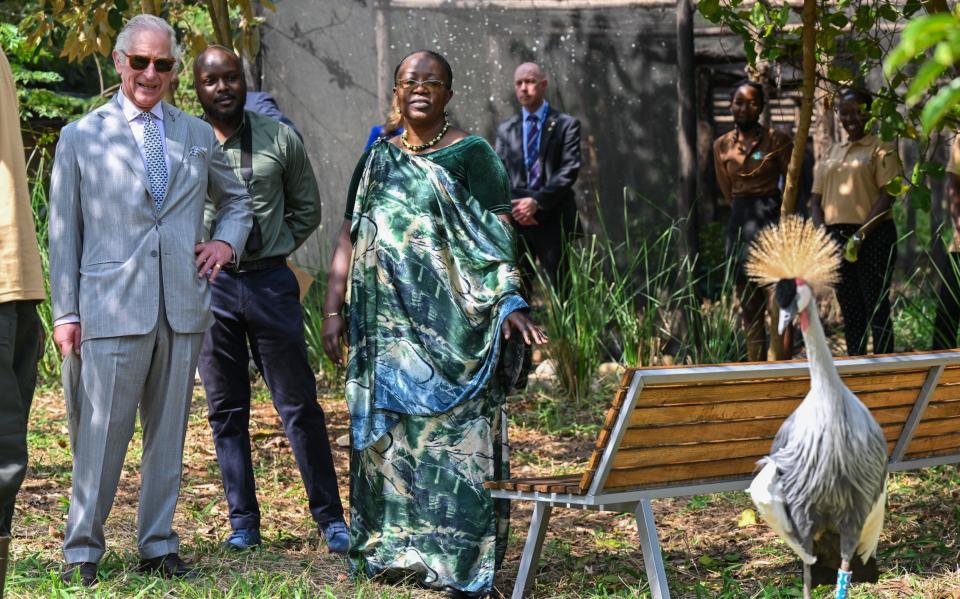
<point>145,22</point>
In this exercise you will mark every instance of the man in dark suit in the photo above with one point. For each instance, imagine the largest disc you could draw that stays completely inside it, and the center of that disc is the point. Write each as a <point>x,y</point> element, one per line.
<point>541,149</point>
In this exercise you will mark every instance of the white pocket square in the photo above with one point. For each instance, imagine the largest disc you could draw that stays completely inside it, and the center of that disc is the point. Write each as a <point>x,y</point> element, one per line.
<point>198,151</point>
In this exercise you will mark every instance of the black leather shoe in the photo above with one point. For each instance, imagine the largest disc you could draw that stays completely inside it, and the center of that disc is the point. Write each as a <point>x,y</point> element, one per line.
<point>167,566</point>
<point>82,573</point>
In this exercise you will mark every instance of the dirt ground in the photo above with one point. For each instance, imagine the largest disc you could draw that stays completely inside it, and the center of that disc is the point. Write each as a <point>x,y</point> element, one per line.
<point>710,550</point>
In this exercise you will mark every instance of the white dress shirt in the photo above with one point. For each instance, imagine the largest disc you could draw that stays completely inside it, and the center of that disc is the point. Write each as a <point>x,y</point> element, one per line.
<point>132,114</point>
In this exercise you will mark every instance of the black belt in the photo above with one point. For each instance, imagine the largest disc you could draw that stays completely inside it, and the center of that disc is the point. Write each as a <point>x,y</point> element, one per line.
<point>261,264</point>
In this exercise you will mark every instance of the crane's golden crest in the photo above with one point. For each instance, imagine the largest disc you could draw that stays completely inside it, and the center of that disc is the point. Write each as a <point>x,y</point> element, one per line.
<point>794,249</point>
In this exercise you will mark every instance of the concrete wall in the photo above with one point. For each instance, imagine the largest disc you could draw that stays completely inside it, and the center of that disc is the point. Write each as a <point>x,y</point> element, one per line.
<point>610,63</point>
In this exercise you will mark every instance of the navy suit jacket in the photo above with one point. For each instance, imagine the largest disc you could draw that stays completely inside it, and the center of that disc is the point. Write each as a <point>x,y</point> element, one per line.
<point>560,165</point>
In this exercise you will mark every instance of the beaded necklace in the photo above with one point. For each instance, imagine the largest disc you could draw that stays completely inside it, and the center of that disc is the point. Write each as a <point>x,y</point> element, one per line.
<point>429,144</point>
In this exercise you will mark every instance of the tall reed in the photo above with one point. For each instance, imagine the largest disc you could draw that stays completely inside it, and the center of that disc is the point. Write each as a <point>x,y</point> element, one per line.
<point>48,370</point>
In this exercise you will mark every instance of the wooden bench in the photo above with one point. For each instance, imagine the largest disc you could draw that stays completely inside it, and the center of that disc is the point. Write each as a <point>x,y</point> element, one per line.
<point>686,430</point>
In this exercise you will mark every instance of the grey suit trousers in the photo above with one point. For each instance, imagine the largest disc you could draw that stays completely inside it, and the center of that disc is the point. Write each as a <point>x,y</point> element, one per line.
<point>154,372</point>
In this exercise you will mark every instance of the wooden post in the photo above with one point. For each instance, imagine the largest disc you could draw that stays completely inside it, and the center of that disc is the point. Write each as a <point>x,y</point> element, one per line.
<point>687,126</point>
<point>806,106</point>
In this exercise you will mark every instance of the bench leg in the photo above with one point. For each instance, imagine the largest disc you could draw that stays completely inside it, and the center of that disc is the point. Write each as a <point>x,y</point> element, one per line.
<point>531,549</point>
<point>652,557</point>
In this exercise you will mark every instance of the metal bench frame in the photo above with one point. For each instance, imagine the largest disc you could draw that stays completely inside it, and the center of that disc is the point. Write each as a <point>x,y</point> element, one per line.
<point>637,500</point>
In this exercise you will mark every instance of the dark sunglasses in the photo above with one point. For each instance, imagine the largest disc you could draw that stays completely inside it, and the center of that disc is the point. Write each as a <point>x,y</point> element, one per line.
<point>139,63</point>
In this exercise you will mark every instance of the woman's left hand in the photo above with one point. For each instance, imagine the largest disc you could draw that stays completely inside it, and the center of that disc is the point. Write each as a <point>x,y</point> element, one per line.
<point>519,322</point>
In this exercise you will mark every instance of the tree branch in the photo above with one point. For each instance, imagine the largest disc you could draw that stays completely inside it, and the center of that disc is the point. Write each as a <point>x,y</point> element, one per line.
<point>806,106</point>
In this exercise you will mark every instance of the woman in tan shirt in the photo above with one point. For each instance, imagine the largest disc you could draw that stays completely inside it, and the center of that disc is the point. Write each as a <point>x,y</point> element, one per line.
<point>850,198</point>
<point>749,162</point>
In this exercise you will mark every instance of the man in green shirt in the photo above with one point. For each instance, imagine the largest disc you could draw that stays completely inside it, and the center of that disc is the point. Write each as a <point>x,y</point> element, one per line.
<point>256,304</point>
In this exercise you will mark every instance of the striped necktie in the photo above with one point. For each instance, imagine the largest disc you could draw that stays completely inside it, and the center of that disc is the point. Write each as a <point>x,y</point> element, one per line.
<point>533,152</point>
<point>156,163</point>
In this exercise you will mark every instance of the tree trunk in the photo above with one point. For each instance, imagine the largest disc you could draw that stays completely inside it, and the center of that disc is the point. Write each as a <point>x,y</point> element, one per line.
<point>149,7</point>
<point>687,130</point>
<point>220,17</point>
<point>806,106</point>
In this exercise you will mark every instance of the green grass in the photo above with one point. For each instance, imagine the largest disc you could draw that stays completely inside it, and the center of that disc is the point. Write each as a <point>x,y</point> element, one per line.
<point>586,555</point>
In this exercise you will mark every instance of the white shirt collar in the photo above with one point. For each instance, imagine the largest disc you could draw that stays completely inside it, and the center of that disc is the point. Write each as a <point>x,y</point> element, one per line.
<point>132,112</point>
<point>538,112</point>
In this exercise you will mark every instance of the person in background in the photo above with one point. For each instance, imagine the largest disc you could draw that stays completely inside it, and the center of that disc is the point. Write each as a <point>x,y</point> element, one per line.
<point>749,161</point>
<point>130,286</point>
<point>392,127</point>
<point>425,372</point>
<point>947,322</point>
<point>540,148</point>
<point>21,289</point>
<point>256,306</point>
<point>265,104</point>
<point>849,196</point>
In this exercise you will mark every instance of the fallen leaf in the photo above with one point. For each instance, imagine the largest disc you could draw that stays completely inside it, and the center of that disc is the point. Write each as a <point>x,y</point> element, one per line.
<point>748,517</point>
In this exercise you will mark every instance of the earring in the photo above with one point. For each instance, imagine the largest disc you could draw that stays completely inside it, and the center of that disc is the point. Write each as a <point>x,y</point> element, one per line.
<point>398,110</point>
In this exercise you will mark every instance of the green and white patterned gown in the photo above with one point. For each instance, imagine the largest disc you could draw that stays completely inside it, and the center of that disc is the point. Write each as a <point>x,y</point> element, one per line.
<point>432,279</point>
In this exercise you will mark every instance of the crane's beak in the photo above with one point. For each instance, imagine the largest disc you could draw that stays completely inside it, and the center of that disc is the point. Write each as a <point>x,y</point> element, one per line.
<point>786,315</point>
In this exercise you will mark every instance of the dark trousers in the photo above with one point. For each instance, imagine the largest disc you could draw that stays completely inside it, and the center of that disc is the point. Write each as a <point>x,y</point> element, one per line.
<point>21,345</point>
<point>545,243</point>
<point>864,288</point>
<point>947,323</point>
<point>262,308</point>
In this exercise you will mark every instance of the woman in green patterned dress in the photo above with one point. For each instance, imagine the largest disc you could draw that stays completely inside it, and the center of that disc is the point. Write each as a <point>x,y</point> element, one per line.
<point>427,252</point>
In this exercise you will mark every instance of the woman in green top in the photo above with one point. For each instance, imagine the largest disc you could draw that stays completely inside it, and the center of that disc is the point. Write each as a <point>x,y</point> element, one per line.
<point>429,253</point>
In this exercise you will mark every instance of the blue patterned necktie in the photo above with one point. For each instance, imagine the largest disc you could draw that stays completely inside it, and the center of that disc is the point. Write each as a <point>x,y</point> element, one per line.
<point>156,164</point>
<point>533,152</point>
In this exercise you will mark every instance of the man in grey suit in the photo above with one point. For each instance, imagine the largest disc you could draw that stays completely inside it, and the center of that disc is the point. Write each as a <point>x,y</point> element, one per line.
<point>129,278</point>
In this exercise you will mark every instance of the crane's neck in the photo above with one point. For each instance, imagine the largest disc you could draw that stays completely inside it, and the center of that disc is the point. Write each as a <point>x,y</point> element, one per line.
<point>823,372</point>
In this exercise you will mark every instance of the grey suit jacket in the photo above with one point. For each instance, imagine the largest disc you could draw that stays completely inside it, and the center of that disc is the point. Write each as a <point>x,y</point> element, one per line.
<point>109,246</point>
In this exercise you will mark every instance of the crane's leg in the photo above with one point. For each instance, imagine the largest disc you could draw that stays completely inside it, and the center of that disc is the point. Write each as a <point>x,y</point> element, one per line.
<point>843,579</point>
<point>848,545</point>
<point>807,571</point>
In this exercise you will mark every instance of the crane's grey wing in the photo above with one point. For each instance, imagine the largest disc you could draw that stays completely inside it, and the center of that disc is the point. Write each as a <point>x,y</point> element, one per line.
<point>768,497</point>
<point>783,435</point>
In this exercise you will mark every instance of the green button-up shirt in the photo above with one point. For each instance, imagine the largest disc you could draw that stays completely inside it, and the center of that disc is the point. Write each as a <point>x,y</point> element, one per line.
<point>286,201</point>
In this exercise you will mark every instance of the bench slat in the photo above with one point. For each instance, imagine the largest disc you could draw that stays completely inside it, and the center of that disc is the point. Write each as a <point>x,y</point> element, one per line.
<point>738,410</point>
<point>927,446</point>
<point>759,390</point>
<point>697,471</point>
<point>946,393</point>
<point>942,409</point>
<point>762,428</point>
<point>701,452</point>
<point>935,427</point>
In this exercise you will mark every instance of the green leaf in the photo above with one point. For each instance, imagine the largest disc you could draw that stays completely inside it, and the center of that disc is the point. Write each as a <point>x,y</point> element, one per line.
<point>917,37</point>
<point>920,198</point>
<point>888,12</point>
<point>751,51</point>
<point>922,81</point>
<point>936,170</point>
<point>758,15</point>
<point>910,7</point>
<point>897,186</point>
<point>710,9</point>
<point>839,73</point>
<point>940,106</point>
<point>837,19</point>
<point>946,52</point>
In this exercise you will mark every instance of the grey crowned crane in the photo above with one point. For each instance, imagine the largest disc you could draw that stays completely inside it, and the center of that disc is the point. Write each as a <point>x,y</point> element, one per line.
<point>824,480</point>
